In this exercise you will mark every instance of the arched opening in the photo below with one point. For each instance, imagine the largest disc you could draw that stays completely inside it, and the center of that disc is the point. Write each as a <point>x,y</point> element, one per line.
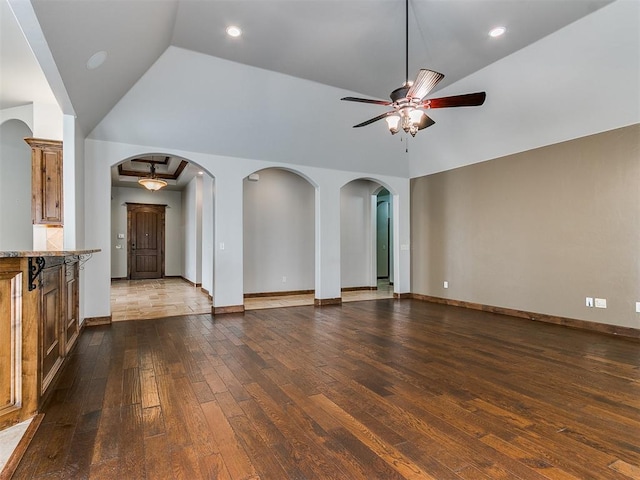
<point>366,240</point>
<point>161,241</point>
<point>16,229</point>
<point>278,237</point>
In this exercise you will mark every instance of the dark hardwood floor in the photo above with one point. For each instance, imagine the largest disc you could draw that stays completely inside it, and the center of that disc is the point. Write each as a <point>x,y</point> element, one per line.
<point>381,389</point>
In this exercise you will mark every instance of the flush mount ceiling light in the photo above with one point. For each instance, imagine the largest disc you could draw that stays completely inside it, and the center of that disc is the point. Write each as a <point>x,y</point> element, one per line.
<point>152,182</point>
<point>497,32</point>
<point>96,60</point>
<point>234,31</point>
<point>408,101</point>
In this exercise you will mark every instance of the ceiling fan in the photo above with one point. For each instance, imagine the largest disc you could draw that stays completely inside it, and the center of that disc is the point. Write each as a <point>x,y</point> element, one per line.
<point>408,101</point>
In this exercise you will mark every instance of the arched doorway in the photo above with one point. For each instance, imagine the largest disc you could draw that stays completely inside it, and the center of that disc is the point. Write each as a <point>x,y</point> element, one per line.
<point>278,235</point>
<point>366,239</point>
<point>182,284</point>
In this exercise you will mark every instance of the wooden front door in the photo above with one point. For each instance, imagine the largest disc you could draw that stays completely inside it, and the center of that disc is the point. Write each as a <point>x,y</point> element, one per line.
<point>145,247</point>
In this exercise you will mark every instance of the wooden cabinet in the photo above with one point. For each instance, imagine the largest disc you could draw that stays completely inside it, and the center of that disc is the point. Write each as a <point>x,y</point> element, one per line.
<point>19,310</point>
<point>58,315</point>
<point>39,325</point>
<point>46,181</point>
<point>12,323</point>
<point>51,347</point>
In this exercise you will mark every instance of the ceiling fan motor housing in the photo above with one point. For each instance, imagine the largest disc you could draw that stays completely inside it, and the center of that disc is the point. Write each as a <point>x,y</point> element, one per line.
<point>399,93</point>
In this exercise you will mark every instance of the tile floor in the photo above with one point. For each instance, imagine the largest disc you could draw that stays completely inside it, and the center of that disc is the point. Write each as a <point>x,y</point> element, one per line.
<point>167,297</point>
<point>9,439</point>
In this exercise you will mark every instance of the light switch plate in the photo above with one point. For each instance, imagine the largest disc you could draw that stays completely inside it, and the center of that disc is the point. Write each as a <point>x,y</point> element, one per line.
<point>601,303</point>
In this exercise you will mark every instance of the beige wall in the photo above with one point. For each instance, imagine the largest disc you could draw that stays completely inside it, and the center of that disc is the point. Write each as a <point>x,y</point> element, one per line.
<point>537,231</point>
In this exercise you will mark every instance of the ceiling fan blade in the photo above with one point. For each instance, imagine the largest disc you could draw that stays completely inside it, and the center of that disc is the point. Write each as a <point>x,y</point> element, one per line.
<point>425,121</point>
<point>375,119</point>
<point>466,100</point>
<point>425,81</point>
<point>366,100</point>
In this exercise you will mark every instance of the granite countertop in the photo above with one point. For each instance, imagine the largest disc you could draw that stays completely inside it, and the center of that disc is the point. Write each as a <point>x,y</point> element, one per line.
<point>45,253</point>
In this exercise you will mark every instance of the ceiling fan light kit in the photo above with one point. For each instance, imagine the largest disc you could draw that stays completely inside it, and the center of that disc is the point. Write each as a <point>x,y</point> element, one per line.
<point>408,101</point>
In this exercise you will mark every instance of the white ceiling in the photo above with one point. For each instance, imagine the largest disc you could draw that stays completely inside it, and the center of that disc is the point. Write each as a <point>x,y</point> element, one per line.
<point>357,45</point>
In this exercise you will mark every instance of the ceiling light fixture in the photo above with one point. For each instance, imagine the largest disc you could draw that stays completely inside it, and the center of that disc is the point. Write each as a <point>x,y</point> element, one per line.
<point>497,32</point>
<point>234,31</point>
<point>96,60</point>
<point>152,182</point>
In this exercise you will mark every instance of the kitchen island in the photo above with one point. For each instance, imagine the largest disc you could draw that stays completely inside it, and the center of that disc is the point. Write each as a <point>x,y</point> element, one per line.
<point>39,325</point>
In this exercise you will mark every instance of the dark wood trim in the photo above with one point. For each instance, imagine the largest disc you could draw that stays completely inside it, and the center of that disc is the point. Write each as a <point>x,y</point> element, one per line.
<point>402,296</point>
<point>357,289</point>
<point>322,302</point>
<point>205,291</point>
<point>118,278</point>
<point>13,461</point>
<point>227,309</point>
<point>278,294</point>
<point>633,333</point>
<point>95,321</point>
<point>189,282</point>
<point>166,176</point>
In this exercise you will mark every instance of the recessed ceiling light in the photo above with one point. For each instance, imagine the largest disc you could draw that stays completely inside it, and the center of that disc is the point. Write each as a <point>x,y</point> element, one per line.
<point>200,172</point>
<point>96,60</point>
<point>234,31</point>
<point>497,32</point>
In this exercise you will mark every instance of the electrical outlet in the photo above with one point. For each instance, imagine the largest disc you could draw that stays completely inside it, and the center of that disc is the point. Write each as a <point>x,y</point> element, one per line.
<point>589,302</point>
<point>601,303</point>
<point>637,307</point>
<point>446,284</point>
<point>284,279</point>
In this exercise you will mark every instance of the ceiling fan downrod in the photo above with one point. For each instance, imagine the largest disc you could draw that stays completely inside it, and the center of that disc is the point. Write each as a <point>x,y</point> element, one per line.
<point>406,43</point>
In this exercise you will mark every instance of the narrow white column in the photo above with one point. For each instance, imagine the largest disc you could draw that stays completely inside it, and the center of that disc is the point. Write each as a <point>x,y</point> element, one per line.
<point>328,244</point>
<point>402,239</point>
<point>228,279</point>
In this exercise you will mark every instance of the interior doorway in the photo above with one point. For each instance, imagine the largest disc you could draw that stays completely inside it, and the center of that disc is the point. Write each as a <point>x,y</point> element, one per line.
<point>384,236</point>
<point>145,245</point>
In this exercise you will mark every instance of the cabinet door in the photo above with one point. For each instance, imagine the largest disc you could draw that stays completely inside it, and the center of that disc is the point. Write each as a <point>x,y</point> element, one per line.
<point>51,348</point>
<point>71,326</point>
<point>46,180</point>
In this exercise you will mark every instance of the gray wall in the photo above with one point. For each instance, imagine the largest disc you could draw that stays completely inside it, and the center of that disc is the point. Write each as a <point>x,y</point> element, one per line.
<point>16,232</point>
<point>279,233</point>
<point>356,234</point>
<point>537,231</point>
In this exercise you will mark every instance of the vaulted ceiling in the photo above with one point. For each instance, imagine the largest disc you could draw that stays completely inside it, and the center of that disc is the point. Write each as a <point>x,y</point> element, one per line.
<point>356,45</point>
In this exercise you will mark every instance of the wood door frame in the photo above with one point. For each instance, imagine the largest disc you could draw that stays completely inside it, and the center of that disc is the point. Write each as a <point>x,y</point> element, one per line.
<point>160,209</point>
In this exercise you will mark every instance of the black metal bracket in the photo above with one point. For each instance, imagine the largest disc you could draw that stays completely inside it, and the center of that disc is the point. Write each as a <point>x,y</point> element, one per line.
<point>80,258</point>
<point>34,270</point>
